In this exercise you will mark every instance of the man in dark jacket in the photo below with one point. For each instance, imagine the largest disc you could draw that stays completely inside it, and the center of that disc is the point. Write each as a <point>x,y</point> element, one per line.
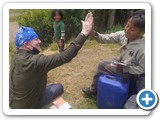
<point>28,70</point>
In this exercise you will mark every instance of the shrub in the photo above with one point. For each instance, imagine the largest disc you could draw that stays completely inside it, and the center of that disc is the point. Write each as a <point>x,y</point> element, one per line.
<point>41,21</point>
<point>115,29</point>
<point>72,20</point>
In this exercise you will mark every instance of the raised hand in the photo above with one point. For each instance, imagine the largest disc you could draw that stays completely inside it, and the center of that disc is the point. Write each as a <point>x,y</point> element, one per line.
<point>87,24</point>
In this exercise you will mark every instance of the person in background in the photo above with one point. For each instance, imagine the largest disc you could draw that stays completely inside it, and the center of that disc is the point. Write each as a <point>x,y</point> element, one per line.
<point>132,54</point>
<point>59,29</point>
<point>28,70</point>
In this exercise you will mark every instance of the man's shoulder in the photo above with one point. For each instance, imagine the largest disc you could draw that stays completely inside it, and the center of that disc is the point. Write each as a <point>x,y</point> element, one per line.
<point>121,32</point>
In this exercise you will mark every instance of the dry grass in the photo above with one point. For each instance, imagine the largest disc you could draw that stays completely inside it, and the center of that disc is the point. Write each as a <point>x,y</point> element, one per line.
<point>78,73</point>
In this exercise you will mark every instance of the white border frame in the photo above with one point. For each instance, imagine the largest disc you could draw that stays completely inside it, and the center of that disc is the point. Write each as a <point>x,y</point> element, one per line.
<point>8,6</point>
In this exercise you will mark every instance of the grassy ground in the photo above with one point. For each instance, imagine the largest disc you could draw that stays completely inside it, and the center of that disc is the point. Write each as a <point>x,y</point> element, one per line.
<point>78,73</point>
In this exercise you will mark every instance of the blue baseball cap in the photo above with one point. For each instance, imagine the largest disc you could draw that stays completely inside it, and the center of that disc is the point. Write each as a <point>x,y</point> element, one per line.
<point>24,34</point>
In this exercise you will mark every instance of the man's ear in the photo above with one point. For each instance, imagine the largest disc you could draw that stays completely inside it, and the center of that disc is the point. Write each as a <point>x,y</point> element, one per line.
<point>26,44</point>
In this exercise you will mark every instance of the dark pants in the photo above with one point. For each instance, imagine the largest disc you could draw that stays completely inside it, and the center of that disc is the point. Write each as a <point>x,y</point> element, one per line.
<point>51,92</point>
<point>61,45</point>
<point>136,85</point>
<point>108,67</point>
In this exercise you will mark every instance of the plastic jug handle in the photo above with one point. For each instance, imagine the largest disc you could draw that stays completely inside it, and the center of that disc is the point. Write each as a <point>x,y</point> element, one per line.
<point>111,77</point>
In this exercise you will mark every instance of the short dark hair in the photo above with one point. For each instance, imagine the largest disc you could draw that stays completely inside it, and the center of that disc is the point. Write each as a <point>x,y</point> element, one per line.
<point>54,13</point>
<point>138,19</point>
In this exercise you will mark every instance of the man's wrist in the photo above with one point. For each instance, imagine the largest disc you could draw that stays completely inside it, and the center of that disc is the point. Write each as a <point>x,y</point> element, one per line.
<point>95,34</point>
<point>84,34</point>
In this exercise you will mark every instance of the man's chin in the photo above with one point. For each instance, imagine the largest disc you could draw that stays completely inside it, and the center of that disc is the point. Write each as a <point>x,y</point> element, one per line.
<point>38,48</point>
<point>126,36</point>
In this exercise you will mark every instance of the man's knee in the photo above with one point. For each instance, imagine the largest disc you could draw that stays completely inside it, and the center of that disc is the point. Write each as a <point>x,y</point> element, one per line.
<point>102,64</point>
<point>57,89</point>
<point>60,87</point>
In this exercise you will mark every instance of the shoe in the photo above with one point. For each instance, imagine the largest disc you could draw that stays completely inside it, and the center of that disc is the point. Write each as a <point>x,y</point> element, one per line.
<point>88,92</point>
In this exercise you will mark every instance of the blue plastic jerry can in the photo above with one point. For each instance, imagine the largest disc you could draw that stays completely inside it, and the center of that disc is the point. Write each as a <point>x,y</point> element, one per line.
<point>112,92</point>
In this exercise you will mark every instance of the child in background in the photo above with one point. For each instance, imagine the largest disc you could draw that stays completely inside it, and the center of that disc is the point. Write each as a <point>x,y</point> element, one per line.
<point>59,29</point>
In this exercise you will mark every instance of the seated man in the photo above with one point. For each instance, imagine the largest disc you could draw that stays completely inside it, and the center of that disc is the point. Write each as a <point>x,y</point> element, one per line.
<point>28,69</point>
<point>132,53</point>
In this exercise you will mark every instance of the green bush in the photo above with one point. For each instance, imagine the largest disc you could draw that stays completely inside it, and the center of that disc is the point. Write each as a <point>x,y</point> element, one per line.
<point>72,20</point>
<point>115,29</point>
<point>42,23</point>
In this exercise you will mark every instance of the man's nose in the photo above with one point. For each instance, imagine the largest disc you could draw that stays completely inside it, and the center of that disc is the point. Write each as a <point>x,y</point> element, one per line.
<point>39,41</point>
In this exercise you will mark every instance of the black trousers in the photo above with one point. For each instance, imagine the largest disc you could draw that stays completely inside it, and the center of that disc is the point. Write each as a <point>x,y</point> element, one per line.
<point>108,67</point>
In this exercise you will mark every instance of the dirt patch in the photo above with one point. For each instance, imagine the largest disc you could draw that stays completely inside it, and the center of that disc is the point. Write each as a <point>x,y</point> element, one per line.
<point>13,28</point>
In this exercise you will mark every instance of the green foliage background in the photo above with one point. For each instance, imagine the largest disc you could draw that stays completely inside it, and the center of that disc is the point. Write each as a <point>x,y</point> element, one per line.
<point>42,22</point>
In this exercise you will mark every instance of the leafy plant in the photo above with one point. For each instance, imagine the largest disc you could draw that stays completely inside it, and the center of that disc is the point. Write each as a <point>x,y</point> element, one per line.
<point>41,21</point>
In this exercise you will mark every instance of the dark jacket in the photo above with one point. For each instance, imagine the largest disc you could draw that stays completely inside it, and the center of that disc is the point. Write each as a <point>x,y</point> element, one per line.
<point>28,73</point>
